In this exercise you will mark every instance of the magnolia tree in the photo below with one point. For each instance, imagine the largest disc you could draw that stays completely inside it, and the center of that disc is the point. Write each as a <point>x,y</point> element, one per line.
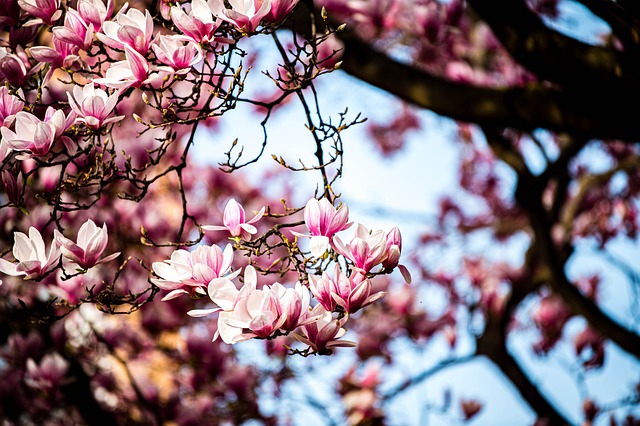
<point>115,242</point>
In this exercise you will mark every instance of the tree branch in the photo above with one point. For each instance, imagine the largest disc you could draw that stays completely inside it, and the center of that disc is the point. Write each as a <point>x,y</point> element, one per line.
<point>623,24</point>
<point>492,345</point>
<point>553,56</point>
<point>528,197</point>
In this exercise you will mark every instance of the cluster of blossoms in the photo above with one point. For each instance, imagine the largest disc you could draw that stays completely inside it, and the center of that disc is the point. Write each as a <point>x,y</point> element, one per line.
<point>33,261</point>
<point>274,310</point>
<point>106,54</point>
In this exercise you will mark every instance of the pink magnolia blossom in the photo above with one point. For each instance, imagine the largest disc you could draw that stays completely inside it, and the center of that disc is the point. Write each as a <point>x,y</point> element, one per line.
<point>62,55</point>
<point>47,11</point>
<point>93,106</point>
<point>16,68</point>
<point>180,57</point>
<point>134,71</point>
<point>31,134</point>
<point>95,12</point>
<point>393,251</point>
<point>550,317</point>
<point>352,294</point>
<point>33,261</point>
<point>199,24</point>
<point>244,14</point>
<point>12,186</point>
<point>75,31</point>
<point>279,10</point>
<point>293,304</point>
<point>250,312</point>
<point>193,271</point>
<point>234,221</point>
<point>10,105</point>
<point>47,375</point>
<point>91,243</point>
<point>130,27</point>
<point>323,221</point>
<point>366,250</point>
<point>322,334</point>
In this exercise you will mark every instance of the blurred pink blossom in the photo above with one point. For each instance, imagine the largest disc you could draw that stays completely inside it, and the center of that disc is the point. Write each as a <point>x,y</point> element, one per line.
<point>47,375</point>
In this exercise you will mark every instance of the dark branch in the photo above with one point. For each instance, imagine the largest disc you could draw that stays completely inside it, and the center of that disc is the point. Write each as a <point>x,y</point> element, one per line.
<point>553,56</point>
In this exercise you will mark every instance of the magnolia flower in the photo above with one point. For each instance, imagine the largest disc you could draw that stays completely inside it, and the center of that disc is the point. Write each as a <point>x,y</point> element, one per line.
<point>293,304</point>
<point>95,12</point>
<point>47,11</point>
<point>366,250</point>
<point>134,71</point>
<point>13,68</point>
<point>10,105</point>
<point>199,24</point>
<point>280,9</point>
<point>323,333</point>
<point>393,251</point>
<point>234,221</point>
<point>93,106</point>
<point>31,134</point>
<point>91,243</point>
<point>244,14</point>
<point>171,51</point>
<point>12,186</point>
<point>75,31</point>
<point>49,374</point>
<point>250,312</point>
<point>193,270</point>
<point>352,294</point>
<point>323,221</point>
<point>129,28</point>
<point>33,262</point>
<point>62,55</point>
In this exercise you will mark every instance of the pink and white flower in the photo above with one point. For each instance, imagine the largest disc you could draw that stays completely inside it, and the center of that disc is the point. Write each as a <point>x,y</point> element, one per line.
<point>31,134</point>
<point>199,24</point>
<point>352,294</point>
<point>47,375</point>
<point>10,105</point>
<point>93,106</point>
<point>134,71</point>
<point>250,312</point>
<point>366,250</point>
<point>75,31</point>
<point>95,12</point>
<point>234,221</point>
<point>324,333</point>
<point>244,14</point>
<point>323,221</point>
<point>46,11</point>
<point>130,27</point>
<point>180,57</point>
<point>91,243</point>
<point>188,272</point>
<point>33,261</point>
<point>280,9</point>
